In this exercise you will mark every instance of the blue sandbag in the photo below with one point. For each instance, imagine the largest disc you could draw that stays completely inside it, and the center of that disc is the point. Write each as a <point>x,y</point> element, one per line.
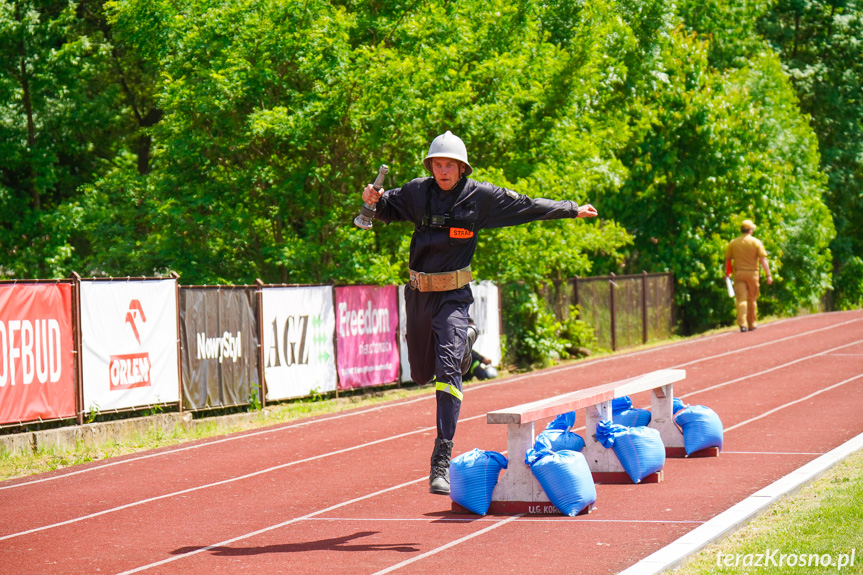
<point>563,421</point>
<point>558,435</point>
<point>677,404</point>
<point>622,413</point>
<point>701,427</point>
<point>639,449</point>
<point>619,404</point>
<point>561,439</point>
<point>472,478</point>
<point>565,477</point>
<point>634,417</point>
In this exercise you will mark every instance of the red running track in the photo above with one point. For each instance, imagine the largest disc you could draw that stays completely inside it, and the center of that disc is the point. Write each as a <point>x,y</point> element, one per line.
<point>347,493</point>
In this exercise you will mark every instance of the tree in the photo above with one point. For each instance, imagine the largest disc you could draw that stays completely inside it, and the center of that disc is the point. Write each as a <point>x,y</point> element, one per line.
<point>707,150</point>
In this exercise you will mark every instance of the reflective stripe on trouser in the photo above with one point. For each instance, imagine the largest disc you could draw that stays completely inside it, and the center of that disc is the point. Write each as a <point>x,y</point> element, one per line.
<point>746,291</point>
<point>447,388</point>
<point>436,335</point>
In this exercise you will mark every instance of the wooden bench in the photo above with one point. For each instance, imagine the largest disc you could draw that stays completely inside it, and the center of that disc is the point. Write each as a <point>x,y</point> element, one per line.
<point>518,491</point>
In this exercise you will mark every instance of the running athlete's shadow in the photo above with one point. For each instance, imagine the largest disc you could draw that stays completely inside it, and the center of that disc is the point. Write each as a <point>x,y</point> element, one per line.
<point>333,544</point>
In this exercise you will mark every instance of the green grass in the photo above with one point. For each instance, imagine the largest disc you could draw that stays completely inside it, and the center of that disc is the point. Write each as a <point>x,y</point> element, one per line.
<point>823,518</point>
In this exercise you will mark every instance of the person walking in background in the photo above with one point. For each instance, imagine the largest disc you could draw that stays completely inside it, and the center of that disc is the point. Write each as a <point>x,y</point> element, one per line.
<point>448,210</point>
<point>743,255</point>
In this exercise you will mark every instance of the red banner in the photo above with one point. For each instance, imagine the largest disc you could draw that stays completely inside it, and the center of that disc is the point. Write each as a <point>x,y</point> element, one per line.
<point>37,363</point>
<point>366,324</point>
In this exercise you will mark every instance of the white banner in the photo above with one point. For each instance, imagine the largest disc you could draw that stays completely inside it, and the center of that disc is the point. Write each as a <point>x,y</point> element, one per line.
<point>129,340</point>
<point>485,311</point>
<point>299,328</point>
<point>405,372</point>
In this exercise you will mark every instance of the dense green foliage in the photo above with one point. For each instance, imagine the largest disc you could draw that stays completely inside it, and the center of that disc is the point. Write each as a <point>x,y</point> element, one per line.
<point>229,140</point>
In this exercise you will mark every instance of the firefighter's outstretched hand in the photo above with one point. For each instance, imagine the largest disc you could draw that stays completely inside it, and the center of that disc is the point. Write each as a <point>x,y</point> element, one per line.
<point>586,211</point>
<point>371,195</point>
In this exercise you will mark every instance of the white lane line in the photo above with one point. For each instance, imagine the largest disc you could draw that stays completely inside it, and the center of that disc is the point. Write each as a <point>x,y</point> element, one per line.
<point>795,402</point>
<point>772,452</point>
<point>448,545</point>
<point>316,513</point>
<point>217,483</point>
<point>762,372</point>
<point>492,520</point>
<point>505,381</point>
<point>270,528</point>
<point>378,441</point>
<point>738,515</point>
<point>234,437</point>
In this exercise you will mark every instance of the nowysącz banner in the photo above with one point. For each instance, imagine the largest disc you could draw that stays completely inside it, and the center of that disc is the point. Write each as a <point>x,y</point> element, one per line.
<point>218,346</point>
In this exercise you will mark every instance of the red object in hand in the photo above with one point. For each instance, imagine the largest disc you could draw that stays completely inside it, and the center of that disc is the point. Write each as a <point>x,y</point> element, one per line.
<point>728,269</point>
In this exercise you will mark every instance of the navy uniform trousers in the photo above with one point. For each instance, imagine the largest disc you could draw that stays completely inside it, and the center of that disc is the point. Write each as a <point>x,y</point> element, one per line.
<point>436,337</point>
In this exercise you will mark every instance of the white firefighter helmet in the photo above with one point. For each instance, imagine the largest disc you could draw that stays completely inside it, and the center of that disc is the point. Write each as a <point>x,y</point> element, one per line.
<point>448,145</point>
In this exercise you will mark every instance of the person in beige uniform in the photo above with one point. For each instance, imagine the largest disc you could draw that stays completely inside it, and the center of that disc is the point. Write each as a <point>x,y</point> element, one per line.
<point>746,252</point>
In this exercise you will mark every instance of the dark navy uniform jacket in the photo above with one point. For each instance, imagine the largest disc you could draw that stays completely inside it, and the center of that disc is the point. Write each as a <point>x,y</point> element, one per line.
<point>437,321</point>
<point>470,202</point>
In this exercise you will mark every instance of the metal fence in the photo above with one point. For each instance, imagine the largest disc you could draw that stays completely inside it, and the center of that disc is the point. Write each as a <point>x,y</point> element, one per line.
<point>624,311</point>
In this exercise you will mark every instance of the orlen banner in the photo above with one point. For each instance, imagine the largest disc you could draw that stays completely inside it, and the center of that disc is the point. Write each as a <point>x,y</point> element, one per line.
<point>218,346</point>
<point>129,339</point>
<point>299,356</point>
<point>485,311</point>
<point>366,323</point>
<point>37,365</point>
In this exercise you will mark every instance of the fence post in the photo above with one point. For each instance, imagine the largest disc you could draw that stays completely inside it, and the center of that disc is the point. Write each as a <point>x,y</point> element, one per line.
<point>575,297</point>
<point>643,307</point>
<point>611,286</point>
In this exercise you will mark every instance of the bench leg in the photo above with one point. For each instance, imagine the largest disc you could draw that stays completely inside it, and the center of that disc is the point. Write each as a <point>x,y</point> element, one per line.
<point>599,459</point>
<point>517,483</point>
<point>661,419</point>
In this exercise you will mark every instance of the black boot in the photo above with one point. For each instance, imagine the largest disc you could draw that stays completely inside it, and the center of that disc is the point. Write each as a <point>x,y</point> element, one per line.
<point>439,476</point>
<point>467,358</point>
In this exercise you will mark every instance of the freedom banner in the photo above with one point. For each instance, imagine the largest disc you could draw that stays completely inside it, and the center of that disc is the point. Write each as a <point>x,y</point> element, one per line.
<point>129,339</point>
<point>218,346</point>
<point>299,355</point>
<point>485,311</point>
<point>368,351</point>
<point>37,358</point>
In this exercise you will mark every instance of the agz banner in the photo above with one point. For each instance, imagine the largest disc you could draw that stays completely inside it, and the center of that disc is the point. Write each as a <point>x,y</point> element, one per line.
<point>299,356</point>
<point>37,365</point>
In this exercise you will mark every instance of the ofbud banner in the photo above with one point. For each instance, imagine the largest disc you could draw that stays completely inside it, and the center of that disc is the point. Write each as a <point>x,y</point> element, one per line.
<point>218,346</point>
<point>368,351</point>
<point>299,357</point>
<point>37,365</point>
<point>485,311</point>
<point>129,339</point>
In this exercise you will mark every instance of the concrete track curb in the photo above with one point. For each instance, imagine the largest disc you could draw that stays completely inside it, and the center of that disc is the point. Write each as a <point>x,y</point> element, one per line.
<point>677,552</point>
<point>71,437</point>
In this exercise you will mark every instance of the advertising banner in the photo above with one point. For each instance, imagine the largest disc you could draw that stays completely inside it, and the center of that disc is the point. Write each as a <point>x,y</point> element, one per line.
<point>485,311</point>
<point>37,359</point>
<point>299,355</point>
<point>129,339</point>
<point>218,346</point>
<point>367,319</point>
